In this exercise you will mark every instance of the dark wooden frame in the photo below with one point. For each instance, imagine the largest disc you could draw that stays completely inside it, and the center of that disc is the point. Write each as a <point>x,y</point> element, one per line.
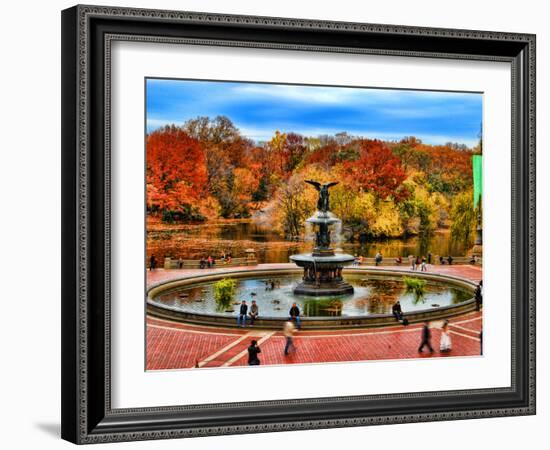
<point>87,32</point>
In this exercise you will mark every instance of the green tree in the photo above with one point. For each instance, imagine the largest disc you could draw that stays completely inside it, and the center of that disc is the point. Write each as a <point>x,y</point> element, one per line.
<point>463,218</point>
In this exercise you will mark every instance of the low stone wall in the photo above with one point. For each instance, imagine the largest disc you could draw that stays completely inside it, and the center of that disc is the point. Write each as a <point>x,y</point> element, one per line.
<point>174,263</point>
<point>310,323</point>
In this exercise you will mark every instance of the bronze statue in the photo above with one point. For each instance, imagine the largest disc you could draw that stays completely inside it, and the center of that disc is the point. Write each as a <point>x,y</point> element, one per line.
<point>323,202</point>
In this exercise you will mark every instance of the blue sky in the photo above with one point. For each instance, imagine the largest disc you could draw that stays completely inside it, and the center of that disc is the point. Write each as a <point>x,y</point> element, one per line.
<point>260,109</point>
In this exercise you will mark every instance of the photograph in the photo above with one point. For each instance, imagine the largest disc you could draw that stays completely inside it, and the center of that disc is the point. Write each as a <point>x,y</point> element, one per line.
<point>310,224</point>
<point>298,221</point>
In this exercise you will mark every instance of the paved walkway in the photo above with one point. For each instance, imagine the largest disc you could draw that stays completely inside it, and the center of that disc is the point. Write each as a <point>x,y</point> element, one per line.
<point>159,275</point>
<point>172,345</point>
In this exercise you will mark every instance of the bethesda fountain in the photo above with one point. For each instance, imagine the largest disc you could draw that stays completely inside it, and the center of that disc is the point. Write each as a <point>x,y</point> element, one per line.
<point>323,267</point>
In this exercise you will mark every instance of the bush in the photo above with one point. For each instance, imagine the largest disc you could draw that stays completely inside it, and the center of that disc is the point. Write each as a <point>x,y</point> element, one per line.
<point>416,286</point>
<point>224,293</point>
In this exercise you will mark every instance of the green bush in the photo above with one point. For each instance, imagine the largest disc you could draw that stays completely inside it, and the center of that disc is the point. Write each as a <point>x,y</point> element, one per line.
<point>224,293</point>
<point>416,286</point>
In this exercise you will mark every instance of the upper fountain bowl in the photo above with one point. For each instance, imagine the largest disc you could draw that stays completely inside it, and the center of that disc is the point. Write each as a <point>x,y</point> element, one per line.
<point>326,218</point>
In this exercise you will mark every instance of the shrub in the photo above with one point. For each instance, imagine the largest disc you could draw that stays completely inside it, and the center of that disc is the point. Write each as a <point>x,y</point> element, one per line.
<point>416,286</point>
<point>224,292</point>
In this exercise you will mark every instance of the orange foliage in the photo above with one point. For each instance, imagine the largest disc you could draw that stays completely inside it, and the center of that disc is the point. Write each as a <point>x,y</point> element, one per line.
<point>377,170</point>
<point>176,169</point>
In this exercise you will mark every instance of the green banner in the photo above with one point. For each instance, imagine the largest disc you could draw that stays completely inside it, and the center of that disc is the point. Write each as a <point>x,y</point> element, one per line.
<point>477,172</point>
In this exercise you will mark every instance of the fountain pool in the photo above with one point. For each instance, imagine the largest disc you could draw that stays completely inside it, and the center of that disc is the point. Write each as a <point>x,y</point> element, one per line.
<point>371,296</point>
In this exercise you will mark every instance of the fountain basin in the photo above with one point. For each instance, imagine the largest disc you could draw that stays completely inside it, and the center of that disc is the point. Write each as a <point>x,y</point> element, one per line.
<point>365,308</point>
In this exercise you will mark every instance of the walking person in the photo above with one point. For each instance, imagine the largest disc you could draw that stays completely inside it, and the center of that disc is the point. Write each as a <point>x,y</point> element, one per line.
<point>378,258</point>
<point>445,344</point>
<point>411,261</point>
<point>253,351</point>
<point>254,311</point>
<point>294,314</point>
<point>241,318</point>
<point>429,257</point>
<point>423,267</point>
<point>479,295</point>
<point>152,262</point>
<point>288,330</point>
<point>417,262</point>
<point>426,338</point>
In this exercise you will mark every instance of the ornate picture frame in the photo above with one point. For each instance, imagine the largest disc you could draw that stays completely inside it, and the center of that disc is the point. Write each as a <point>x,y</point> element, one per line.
<point>87,35</point>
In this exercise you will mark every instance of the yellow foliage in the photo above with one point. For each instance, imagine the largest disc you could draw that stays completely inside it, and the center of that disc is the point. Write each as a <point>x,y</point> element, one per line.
<point>387,222</point>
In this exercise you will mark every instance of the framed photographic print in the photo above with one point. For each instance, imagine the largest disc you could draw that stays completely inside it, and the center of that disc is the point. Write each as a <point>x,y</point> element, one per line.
<point>282,224</point>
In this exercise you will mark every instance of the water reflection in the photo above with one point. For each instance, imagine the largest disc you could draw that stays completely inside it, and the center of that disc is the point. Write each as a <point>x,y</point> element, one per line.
<point>271,247</point>
<point>371,296</point>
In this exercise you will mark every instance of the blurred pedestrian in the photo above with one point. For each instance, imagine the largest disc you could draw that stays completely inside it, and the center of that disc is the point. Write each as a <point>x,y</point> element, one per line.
<point>445,344</point>
<point>288,330</point>
<point>426,338</point>
<point>423,267</point>
<point>479,295</point>
<point>152,262</point>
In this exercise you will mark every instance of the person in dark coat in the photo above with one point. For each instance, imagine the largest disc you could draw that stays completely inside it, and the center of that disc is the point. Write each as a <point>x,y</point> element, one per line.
<point>426,338</point>
<point>253,351</point>
<point>241,318</point>
<point>479,295</point>
<point>152,262</point>
<point>397,311</point>
<point>294,314</point>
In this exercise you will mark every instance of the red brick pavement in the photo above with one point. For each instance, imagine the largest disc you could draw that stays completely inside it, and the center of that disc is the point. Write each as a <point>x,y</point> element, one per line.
<point>176,346</point>
<point>172,345</point>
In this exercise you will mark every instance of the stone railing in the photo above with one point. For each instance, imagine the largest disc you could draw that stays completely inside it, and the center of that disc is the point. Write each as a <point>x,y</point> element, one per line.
<point>392,261</point>
<point>175,263</point>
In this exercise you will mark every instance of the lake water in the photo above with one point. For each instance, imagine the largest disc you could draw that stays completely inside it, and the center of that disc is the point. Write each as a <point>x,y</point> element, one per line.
<point>271,247</point>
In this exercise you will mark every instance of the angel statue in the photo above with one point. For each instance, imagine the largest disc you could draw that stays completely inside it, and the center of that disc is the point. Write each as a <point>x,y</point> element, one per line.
<point>323,202</point>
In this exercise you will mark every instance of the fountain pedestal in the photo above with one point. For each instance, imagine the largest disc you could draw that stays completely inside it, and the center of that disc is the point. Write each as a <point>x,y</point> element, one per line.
<point>323,267</point>
<point>322,274</point>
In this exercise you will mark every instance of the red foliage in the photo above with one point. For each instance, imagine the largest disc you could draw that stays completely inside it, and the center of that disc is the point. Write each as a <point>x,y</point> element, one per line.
<point>176,169</point>
<point>377,170</point>
<point>325,156</point>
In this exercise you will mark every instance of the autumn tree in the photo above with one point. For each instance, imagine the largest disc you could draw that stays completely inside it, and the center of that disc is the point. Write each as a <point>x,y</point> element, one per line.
<point>226,151</point>
<point>176,172</point>
<point>377,170</point>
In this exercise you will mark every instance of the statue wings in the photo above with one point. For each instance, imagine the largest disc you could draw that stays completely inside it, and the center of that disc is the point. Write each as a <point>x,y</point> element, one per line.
<point>315,184</point>
<point>318,185</point>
